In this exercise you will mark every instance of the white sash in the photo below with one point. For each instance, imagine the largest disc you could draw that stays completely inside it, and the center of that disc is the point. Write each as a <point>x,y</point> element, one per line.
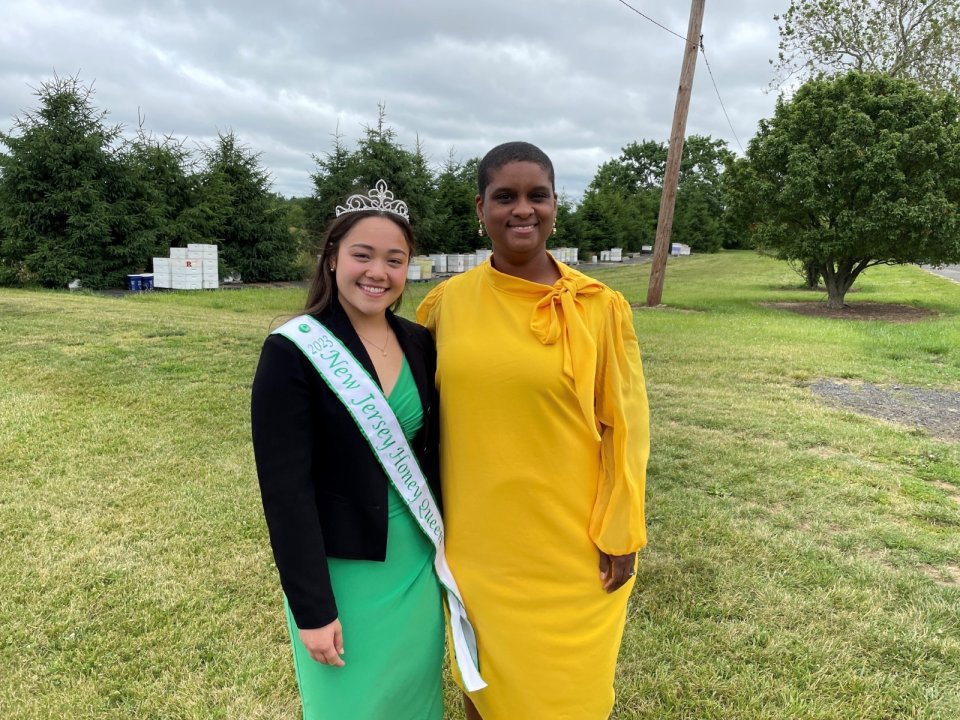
<point>366,403</point>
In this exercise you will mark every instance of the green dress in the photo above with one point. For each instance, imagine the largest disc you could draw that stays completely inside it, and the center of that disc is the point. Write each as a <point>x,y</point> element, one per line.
<point>392,618</point>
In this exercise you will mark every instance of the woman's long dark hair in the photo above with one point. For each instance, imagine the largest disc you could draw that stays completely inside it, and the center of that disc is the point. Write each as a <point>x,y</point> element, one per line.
<point>323,286</point>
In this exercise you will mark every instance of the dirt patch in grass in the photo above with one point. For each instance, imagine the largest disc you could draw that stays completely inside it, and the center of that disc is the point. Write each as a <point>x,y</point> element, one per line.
<point>935,411</point>
<point>943,575</point>
<point>948,488</point>
<point>888,312</point>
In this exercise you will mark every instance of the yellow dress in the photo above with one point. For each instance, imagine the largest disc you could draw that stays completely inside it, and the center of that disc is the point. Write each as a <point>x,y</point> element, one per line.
<point>544,446</point>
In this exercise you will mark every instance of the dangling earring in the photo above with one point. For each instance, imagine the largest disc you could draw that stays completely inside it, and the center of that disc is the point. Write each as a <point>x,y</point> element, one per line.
<point>480,228</point>
<point>554,231</point>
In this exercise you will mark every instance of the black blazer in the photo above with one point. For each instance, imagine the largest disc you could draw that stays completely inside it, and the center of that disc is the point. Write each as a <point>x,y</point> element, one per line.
<point>324,492</point>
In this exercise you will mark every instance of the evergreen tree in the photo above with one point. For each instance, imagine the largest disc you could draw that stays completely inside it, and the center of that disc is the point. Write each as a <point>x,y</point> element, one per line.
<point>162,189</point>
<point>253,236</point>
<point>455,220</point>
<point>380,157</point>
<point>61,192</point>
<point>334,179</point>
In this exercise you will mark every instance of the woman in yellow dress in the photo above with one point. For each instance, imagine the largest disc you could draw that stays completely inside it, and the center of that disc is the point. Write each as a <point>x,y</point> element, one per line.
<point>544,446</point>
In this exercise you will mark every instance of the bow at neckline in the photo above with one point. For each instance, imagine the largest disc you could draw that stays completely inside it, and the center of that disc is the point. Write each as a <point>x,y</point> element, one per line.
<point>558,316</point>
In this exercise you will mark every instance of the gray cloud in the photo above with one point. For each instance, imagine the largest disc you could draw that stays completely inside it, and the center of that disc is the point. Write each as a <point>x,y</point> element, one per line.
<point>580,79</point>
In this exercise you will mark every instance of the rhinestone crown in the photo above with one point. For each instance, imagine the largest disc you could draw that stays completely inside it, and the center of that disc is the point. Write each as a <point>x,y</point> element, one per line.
<point>377,198</point>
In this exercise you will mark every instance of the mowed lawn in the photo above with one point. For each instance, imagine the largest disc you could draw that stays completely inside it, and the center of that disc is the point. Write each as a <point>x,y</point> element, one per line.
<point>804,560</point>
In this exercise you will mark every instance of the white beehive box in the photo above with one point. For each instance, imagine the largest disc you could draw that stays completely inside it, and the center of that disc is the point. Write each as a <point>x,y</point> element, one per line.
<point>186,273</point>
<point>426,267</point>
<point>413,271</point>
<point>178,253</point>
<point>162,273</point>
<point>439,263</point>
<point>211,273</point>
<point>616,254</point>
<point>202,251</point>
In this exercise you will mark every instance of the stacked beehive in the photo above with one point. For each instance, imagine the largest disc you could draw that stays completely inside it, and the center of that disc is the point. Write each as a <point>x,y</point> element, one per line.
<point>567,255</point>
<point>420,268</point>
<point>194,267</point>
<point>210,265</point>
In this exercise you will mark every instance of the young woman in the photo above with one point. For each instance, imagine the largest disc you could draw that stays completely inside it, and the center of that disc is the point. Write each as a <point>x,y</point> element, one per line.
<point>544,444</point>
<point>362,600</point>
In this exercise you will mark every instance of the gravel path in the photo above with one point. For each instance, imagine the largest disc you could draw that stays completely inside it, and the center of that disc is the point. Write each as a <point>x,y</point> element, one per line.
<point>935,411</point>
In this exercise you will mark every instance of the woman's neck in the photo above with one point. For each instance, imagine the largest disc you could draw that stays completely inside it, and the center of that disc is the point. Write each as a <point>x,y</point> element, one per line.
<point>367,324</point>
<point>538,268</point>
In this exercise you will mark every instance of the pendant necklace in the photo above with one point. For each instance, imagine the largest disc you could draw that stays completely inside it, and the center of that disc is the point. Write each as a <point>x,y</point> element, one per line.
<point>383,348</point>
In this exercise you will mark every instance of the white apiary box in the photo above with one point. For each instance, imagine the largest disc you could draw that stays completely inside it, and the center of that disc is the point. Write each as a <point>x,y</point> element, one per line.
<point>203,251</point>
<point>426,267</point>
<point>211,272</point>
<point>162,274</point>
<point>439,263</point>
<point>186,273</point>
<point>413,271</point>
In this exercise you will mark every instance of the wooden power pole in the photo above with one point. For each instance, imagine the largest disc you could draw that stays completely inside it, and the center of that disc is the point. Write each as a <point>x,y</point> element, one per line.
<point>671,177</point>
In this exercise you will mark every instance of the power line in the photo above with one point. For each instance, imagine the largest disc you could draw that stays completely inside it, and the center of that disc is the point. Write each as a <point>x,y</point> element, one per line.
<point>720,99</point>
<point>647,17</point>
<point>707,62</point>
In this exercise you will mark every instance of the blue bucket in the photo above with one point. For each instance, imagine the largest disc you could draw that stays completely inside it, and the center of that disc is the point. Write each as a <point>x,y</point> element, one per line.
<point>146,281</point>
<point>134,283</point>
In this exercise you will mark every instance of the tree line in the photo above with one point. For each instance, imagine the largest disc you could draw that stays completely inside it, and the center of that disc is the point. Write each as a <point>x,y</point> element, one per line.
<point>80,201</point>
<point>77,201</point>
<point>859,166</point>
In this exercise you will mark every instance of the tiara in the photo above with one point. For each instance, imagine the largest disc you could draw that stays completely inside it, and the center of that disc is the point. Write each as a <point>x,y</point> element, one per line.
<point>377,198</point>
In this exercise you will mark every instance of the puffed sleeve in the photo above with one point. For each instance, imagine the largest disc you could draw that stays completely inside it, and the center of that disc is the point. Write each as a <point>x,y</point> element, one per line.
<point>429,309</point>
<point>283,428</point>
<point>617,524</point>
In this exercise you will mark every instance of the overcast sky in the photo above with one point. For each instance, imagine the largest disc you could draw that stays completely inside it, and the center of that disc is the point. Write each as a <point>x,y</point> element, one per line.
<point>579,78</point>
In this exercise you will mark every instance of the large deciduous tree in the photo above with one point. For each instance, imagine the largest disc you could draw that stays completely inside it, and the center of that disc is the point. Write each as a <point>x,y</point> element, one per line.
<point>855,171</point>
<point>61,186</point>
<point>917,39</point>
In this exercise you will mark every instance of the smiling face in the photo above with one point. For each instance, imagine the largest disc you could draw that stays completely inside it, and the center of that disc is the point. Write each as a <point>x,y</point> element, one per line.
<point>518,208</point>
<point>371,268</point>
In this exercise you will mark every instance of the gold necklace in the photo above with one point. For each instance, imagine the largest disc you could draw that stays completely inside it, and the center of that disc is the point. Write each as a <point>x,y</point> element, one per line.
<point>383,348</point>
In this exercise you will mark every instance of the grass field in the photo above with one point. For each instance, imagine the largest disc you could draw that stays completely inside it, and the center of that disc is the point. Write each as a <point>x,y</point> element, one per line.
<point>804,561</point>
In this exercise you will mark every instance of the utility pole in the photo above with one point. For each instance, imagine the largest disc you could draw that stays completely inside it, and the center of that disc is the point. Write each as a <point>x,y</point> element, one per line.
<point>674,154</point>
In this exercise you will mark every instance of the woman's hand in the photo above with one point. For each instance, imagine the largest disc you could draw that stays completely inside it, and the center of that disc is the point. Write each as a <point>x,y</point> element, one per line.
<point>325,644</point>
<point>615,570</point>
